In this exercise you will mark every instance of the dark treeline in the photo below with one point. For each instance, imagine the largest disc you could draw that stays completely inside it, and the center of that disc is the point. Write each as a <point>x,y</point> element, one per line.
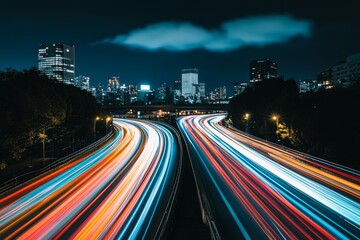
<point>34,107</point>
<point>323,123</point>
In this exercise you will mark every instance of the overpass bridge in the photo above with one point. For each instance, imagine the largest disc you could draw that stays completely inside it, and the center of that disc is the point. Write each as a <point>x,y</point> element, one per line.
<point>122,109</point>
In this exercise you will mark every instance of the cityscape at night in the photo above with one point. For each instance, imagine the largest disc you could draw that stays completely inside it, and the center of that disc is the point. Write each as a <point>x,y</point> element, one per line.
<point>179,120</point>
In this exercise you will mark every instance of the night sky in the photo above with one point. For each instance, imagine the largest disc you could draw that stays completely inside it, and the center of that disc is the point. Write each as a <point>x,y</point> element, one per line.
<point>151,41</point>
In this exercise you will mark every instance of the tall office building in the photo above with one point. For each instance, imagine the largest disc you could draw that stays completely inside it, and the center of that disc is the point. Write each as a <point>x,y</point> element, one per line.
<point>57,61</point>
<point>176,87</point>
<point>201,90</point>
<point>132,89</point>
<point>161,92</point>
<point>189,81</point>
<point>145,95</point>
<point>262,69</point>
<point>220,92</point>
<point>113,84</point>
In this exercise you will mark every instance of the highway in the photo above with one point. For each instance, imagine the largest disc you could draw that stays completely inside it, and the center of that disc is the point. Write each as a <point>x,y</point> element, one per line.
<point>123,190</point>
<point>252,189</point>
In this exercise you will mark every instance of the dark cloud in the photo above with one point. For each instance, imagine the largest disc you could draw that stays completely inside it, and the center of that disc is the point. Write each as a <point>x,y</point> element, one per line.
<point>243,32</point>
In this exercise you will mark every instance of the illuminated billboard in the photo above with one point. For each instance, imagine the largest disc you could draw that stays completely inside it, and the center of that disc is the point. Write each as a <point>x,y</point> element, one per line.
<point>145,87</point>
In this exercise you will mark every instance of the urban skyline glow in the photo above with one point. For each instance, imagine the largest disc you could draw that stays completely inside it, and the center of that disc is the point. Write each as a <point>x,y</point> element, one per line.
<point>301,51</point>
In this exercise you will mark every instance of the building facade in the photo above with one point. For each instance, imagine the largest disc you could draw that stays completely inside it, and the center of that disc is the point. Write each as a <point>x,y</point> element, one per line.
<point>57,61</point>
<point>308,85</point>
<point>82,82</point>
<point>201,90</point>
<point>133,90</point>
<point>161,92</point>
<point>262,69</point>
<point>113,84</point>
<point>189,81</point>
<point>347,72</point>
<point>324,79</point>
<point>239,87</point>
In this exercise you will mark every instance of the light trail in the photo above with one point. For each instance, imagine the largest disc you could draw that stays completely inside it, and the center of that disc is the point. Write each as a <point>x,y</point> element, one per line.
<point>119,191</point>
<point>262,190</point>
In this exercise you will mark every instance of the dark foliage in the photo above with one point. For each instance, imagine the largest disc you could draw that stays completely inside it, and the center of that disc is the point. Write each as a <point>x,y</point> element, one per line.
<point>32,106</point>
<point>323,123</point>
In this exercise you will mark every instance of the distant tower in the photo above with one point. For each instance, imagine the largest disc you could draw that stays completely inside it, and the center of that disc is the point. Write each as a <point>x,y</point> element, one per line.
<point>201,89</point>
<point>220,92</point>
<point>262,69</point>
<point>161,92</point>
<point>57,61</point>
<point>176,86</point>
<point>113,84</point>
<point>189,81</point>
<point>133,91</point>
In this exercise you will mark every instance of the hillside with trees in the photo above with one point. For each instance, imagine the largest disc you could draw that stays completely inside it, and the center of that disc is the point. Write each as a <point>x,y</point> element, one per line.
<point>322,123</point>
<point>35,108</point>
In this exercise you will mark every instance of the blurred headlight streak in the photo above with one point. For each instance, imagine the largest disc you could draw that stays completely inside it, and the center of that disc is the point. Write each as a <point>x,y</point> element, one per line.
<point>263,190</point>
<point>119,191</point>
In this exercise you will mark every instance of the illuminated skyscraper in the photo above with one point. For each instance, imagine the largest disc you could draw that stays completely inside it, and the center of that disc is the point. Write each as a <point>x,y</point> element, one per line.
<point>113,84</point>
<point>220,92</point>
<point>57,61</point>
<point>161,92</point>
<point>176,87</point>
<point>132,89</point>
<point>189,81</point>
<point>201,90</point>
<point>262,69</point>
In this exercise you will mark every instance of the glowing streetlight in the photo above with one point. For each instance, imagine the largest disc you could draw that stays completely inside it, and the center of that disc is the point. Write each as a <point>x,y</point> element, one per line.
<point>246,119</point>
<point>108,119</point>
<point>246,116</point>
<point>276,119</point>
<point>94,128</point>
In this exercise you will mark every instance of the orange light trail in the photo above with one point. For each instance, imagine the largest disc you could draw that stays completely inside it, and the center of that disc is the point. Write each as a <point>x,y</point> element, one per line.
<point>118,191</point>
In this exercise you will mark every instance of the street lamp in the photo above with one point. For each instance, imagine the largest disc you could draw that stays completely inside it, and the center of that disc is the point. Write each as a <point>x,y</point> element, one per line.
<point>43,137</point>
<point>276,119</point>
<point>246,116</point>
<point>94,128</point>
<point>246,119</point>
<point>108,119</point>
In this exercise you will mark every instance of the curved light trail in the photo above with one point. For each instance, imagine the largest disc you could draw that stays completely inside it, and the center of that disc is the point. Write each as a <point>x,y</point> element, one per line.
<point>119,191</point>
<point>261,190</point>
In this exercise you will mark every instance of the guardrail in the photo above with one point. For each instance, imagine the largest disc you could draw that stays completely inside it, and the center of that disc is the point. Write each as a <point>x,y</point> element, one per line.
<point>19,180</point>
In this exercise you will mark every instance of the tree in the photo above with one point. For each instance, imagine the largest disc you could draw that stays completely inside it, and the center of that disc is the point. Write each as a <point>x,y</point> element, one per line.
<point>320,123</point>
<point>32,104</point>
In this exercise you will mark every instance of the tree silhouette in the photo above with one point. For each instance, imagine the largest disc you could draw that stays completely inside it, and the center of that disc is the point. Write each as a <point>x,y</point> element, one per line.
<point>320,123</point>
<point>32,104</point>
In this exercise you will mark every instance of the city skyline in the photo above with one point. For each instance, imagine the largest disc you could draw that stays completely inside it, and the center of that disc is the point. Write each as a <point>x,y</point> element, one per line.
<point>109,38</point>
